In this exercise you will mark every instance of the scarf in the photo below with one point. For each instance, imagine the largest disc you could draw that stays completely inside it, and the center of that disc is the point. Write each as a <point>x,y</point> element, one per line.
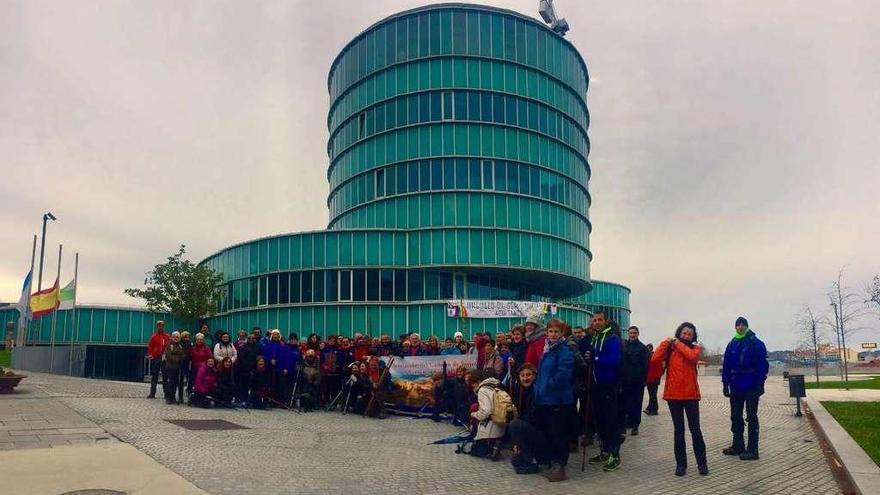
<point>550,345</point>
<point>737,336</point>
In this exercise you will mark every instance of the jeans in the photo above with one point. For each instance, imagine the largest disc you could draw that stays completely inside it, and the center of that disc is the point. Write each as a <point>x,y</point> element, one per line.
<point>678,409</point>
<point>155,368</point>
<point>173,384</point>
<point>605,408</point>
<point>750,401</point>
<point>631,398</point>
<point>652,397</point>
<point>531,442</point>
<point>554,422</point>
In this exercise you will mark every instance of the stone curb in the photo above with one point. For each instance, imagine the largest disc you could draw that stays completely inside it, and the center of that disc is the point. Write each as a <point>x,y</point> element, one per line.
<point>864,473</point>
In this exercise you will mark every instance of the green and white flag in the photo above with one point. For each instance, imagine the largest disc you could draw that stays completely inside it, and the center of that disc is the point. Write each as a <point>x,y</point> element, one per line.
<point>67,296</point>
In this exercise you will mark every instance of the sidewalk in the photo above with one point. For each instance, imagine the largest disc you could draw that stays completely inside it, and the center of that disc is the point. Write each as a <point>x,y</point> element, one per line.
<point>114,466</point>
<point>838,394</point>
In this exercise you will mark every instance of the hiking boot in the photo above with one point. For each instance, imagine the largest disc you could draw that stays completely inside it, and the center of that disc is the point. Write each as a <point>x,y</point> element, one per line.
<point>612,464</point>
<point>496,454</point>
<point>599,458</point>
<point>733,450</point>
<point>703,469</point>
<point>635,432</point>
<point>680,470</point>
<point>749,456</point>
<point>555,473</point>
<point>151,396</point>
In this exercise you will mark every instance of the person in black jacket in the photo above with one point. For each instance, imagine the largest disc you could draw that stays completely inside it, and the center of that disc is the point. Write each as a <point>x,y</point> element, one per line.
<point>652,409</point>
<point>634,361</point>
<point>528,442</point>
<point>245,365</point>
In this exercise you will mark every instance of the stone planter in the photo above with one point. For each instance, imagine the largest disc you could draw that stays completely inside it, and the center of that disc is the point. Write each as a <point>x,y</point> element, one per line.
<point>9,382</point>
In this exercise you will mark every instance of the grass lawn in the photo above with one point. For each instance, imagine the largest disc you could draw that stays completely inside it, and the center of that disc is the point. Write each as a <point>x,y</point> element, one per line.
<point>6,359</point>
<point>872,383</point>
<point>862,421</point>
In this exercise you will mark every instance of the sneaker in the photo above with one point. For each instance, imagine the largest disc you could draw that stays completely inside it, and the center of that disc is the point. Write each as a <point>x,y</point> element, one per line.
<point>151,396</point>
<point>704,469</point>
<point>749,456</point>
<point>635,432</point>
<point>733,450</point>
<point>612,464</point>
<point>680,470</point>
<point>599,458</point>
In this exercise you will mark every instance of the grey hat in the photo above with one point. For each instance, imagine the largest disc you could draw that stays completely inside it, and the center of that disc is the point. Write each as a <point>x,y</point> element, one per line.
<point>537,319</point>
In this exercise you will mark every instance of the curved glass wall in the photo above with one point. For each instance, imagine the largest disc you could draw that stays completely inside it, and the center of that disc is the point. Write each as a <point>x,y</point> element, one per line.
<point>609,297</point>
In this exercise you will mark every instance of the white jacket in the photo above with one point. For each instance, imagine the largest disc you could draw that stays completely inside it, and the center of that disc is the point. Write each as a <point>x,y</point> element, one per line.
<point>224,351</point>
<point>486,400</point>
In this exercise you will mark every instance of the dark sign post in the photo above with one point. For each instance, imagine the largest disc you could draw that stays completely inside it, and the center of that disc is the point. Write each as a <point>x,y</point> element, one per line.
<point>797,389</point>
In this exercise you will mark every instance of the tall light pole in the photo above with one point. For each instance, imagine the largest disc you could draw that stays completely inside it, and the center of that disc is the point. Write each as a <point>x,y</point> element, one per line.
<point>46,216</point>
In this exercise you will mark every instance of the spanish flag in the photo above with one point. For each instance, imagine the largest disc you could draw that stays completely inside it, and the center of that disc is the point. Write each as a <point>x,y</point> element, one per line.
<point>45,301</point>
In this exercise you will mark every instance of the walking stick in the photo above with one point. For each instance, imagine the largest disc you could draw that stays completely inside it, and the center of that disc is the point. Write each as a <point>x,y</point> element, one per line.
<point>375,391</point>
<point>295,384</point>
<point>587,415</point>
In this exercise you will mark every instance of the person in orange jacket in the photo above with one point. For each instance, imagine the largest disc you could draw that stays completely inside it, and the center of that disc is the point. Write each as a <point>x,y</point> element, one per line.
<point>155,349</point>
<point>682,392</point>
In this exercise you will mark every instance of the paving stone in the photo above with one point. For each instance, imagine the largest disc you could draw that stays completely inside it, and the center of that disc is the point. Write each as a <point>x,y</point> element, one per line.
<point>327,453</point>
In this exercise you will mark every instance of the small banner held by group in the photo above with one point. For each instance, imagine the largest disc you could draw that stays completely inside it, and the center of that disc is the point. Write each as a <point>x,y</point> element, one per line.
<point>413,376</point>
<point>498,309</point>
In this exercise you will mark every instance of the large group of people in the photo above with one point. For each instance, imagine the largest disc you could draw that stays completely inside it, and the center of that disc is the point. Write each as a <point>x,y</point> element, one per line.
<point>541,390</point>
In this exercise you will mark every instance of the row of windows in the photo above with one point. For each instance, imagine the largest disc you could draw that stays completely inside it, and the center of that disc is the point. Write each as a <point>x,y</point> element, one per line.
<point>356,285</point>
<point>460,173</point>
<point>458,139</point>
<point>468,210</point>
<point>474,106</point>
<point>604,293</point>
<point>456,73</point>
<point>374,319</point>
<point>401,249</point>
<point>458,31</point>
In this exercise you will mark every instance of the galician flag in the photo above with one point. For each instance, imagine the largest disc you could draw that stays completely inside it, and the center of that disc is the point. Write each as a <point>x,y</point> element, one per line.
<point>45,301</point>
<point>24,309</point>
<point>67,296</point>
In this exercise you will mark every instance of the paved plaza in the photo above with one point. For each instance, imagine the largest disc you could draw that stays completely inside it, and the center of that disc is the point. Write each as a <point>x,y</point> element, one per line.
<point>320,453</point>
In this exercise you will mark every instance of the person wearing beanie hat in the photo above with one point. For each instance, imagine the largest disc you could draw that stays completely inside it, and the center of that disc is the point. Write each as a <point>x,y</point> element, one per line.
<point>743,373</point>
<point>535,336</point>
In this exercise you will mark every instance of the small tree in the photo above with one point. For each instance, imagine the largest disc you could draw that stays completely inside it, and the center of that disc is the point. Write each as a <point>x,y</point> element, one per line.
<point>180,287</point>
<point>847,308</point>
<point>810,335</point>
<point>873,291</point>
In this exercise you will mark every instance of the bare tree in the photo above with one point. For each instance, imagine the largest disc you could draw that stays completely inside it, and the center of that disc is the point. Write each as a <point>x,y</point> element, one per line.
<point>873,291</point>
<point>811,335</point>
<point>847,308</point>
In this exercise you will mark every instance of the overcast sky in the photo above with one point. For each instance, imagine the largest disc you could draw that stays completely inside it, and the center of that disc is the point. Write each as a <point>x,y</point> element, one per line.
<point>734,144</point>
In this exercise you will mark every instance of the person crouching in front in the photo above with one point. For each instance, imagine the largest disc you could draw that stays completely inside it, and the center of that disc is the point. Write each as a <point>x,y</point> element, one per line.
<point>528,442</point>
<point>489,433</point>
<point>205,386</point>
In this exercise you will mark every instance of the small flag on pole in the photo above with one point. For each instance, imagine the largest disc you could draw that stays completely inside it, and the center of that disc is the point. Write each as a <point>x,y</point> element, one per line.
<point>24,309</point>
<point>45,301</point>
<point>67,296</point>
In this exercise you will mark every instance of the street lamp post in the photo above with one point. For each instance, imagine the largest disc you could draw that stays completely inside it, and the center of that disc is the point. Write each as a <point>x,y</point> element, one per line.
<point>46,216</point>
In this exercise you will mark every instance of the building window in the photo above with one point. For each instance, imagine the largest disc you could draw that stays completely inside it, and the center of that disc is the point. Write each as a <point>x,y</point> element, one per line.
<point>400,285</point>
<point>345,285</point>
<point>358,285</point>
<point>372,285</point>
<point>362,125</point>
<point>386,285</point>
<point>380,183</point>
<point>307,287</point>
<point>488,175</point>
<point>448,105</point>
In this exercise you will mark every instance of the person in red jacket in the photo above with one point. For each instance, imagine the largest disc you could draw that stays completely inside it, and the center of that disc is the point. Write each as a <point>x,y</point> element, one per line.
<point>536,334</point>
<point>682,392</point>
<point>155,348</point>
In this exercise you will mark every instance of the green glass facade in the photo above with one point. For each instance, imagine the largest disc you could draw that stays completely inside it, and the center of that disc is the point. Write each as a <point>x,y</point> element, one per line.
<point>458,170</point>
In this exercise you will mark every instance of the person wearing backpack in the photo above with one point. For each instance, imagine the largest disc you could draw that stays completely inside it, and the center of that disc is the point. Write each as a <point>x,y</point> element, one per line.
<point>604,353</point>
<point>743,374</point>
<point>489,432</point>
<point>554,399</point>
<point>682,393</point>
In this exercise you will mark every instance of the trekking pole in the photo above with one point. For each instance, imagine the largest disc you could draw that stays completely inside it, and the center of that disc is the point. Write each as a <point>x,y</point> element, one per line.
<point>375,391</point>
<point>226,404</point>
<point>587,415</point>
<point>295,384</point>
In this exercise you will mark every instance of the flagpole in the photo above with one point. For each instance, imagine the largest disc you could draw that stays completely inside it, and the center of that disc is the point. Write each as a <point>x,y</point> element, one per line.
<point>21,338</point>
<point>73,314</point>
<point>55,315</point>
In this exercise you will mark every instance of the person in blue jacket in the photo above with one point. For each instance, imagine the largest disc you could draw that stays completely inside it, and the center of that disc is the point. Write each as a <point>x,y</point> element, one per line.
<point>604,352</point>
<point>278,358</point>
<point>554,398</point>
<point>743,373</point>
